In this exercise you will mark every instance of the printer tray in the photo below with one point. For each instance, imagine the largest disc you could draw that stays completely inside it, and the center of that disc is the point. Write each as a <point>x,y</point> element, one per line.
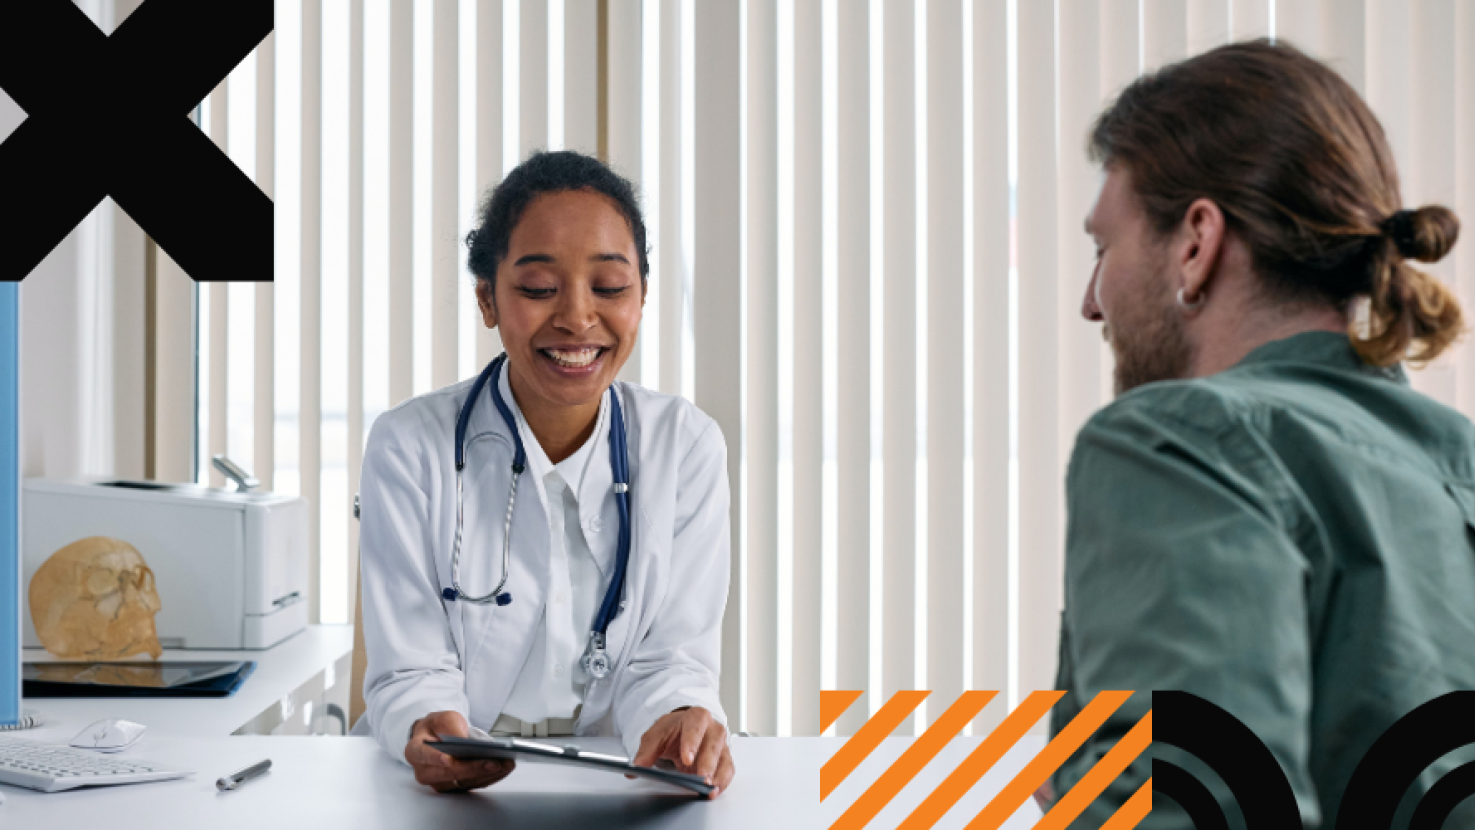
<point>135,679</point>
<point>523,751</point>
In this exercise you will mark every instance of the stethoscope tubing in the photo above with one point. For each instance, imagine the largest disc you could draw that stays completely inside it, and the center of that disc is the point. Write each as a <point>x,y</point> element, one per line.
<point>619,463</point>
<point>619,460</point>
<point>496,593</point>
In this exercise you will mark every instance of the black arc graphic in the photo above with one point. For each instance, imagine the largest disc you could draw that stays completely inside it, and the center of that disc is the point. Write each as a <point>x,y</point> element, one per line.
<point>1174,782</point>
<point>1396,759</point>
<point>1441,800</point>
<point>1242,760</point>
<point>108,116</point>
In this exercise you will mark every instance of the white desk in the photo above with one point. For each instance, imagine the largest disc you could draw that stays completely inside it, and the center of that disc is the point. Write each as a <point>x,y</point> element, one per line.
<point>351,783</point>
<point>309,667</point>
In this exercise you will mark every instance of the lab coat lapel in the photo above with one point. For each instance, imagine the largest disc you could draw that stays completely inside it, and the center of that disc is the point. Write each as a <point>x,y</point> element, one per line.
<point>641,554</point>
<point>597,502</point>
<point>625,629</point>
<point>617,640</point>
<point>508,628</point>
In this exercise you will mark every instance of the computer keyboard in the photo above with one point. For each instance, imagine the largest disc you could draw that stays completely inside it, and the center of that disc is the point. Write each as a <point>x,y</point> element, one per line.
<point>51,768</point>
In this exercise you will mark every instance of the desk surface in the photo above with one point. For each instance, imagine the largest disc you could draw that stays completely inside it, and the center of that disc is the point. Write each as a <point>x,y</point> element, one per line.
<point>279,670</point>
<point>351,783</point>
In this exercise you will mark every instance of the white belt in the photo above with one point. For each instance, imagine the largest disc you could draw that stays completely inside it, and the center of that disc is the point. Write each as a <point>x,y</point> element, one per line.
<point>510,727</point>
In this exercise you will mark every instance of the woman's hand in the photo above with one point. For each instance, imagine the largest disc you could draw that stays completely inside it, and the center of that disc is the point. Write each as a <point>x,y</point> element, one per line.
<point>693,742</point>
<point>440,771</point>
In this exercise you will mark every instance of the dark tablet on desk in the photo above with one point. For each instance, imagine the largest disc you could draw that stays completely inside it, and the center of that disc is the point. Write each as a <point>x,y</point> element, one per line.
<point>196,678</point>
<point>522,750</point>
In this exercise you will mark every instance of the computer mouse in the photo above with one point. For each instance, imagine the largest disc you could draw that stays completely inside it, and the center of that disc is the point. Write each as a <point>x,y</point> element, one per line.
<point>113,735</point>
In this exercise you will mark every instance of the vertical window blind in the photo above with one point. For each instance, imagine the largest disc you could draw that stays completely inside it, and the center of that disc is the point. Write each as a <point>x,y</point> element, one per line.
<point>867,265</point>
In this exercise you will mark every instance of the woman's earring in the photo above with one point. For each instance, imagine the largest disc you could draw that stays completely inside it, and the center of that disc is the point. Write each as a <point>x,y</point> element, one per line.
<point>1183,301</point>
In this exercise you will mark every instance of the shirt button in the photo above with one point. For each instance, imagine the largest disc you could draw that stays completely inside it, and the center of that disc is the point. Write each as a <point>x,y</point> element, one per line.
<point>558,670</point>
<point>594,525</point>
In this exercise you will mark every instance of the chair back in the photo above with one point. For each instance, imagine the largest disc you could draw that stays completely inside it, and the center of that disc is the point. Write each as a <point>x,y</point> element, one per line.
<point>360,656</point>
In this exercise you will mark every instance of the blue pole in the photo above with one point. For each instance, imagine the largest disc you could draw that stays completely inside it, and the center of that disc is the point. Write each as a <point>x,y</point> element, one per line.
<point>9,504</point>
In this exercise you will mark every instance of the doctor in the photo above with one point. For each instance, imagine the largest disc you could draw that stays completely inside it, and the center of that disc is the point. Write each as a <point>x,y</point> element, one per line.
<point>463,632</point>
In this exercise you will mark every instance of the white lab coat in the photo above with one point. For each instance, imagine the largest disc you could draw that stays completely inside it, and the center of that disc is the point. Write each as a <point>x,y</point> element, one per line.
<point>427,655</point>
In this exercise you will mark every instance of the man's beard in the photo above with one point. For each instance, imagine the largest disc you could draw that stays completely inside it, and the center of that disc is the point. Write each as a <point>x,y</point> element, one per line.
<point>1149,342</point>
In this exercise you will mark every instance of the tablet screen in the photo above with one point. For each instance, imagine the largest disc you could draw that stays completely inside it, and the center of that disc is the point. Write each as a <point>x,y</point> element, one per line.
<point>134,675</point>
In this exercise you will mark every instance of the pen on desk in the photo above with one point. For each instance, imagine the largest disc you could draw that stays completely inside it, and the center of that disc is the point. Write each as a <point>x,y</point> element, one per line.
<point>236,779</point>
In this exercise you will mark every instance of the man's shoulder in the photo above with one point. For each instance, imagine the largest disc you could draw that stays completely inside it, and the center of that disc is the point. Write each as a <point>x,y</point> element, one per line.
<point>1246,414</point>
<point>1215,429</point>
<point>1200,405</point>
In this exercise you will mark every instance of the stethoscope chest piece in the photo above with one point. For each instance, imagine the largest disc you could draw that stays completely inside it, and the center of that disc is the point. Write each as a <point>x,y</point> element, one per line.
<point>596,659</point>
<point>598,665</point>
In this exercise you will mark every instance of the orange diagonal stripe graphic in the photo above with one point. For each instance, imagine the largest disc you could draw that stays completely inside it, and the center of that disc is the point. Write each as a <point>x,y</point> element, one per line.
<point>1095,782</point>
<point>1016,792</point>
<point>832,704</point>
<point>865,741</point>
<point>923,750</point>
<point>1134,811</point>
<point>981,760</point>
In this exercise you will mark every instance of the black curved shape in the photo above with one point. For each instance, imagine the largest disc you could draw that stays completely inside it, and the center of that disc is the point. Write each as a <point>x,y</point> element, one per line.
<point>1241,759</point>
<point>1176,783</point>
<point>1435,807</point>
<point>1417,740</point>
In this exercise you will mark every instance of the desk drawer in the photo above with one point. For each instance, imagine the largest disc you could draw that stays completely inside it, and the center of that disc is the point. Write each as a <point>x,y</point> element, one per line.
<point>317,707</point>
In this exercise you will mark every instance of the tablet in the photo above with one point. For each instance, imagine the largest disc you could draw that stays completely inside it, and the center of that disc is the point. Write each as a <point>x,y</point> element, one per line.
<point>192,678</point>
<point>522,750</point>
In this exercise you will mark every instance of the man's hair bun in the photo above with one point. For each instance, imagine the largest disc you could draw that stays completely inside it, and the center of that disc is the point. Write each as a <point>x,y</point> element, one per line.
<point>1426,234</point>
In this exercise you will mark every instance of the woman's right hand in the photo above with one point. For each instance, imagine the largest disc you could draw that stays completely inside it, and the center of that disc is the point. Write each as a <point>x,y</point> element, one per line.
<point>440,771</point>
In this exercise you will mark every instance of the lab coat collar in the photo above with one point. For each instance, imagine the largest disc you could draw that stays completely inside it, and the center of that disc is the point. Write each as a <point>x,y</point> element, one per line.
<point>538,463</point>
<point>484,415</point>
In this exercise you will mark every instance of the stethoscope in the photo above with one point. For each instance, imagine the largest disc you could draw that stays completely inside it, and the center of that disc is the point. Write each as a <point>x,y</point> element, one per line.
<point>595,659</point>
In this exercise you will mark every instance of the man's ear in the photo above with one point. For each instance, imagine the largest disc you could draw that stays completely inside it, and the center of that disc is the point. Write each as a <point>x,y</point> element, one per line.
<point>486,302</point>
<point>1199,246</point>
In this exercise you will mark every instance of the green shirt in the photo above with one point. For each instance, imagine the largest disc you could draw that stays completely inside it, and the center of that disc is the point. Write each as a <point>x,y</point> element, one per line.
<point>1290,539</point>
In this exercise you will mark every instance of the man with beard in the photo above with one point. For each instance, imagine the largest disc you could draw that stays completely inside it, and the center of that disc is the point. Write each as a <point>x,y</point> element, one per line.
<point>1267,516</point>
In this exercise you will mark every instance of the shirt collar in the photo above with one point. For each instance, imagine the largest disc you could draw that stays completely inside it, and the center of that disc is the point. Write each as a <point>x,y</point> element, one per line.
<point>1326,348</point>
<point>571,469</point>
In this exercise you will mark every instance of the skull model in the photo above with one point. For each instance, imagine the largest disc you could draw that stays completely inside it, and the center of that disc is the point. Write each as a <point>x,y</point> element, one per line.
<point>95,600</point>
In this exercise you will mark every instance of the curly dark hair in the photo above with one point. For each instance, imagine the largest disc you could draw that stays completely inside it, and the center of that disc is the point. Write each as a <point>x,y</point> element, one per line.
<point>548,172</point>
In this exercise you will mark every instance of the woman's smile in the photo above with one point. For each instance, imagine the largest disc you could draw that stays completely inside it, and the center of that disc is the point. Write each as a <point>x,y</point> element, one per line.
<point>574,360</point>
<point>567,301</point>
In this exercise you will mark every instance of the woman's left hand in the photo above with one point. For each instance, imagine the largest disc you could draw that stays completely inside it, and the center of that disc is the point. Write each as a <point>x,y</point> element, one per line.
<point>692,740</point>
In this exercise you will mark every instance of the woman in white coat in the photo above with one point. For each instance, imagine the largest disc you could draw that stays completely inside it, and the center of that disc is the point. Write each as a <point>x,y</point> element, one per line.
<point>560,261</point>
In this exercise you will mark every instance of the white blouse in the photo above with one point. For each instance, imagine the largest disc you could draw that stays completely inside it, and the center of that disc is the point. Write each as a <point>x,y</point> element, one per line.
<point>552,681</point>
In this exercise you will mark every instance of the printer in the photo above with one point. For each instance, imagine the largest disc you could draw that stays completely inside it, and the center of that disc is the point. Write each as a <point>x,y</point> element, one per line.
<point>230,567</point>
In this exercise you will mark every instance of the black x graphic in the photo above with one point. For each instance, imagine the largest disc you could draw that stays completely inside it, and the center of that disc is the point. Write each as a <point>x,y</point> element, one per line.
<point>108,116</point>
